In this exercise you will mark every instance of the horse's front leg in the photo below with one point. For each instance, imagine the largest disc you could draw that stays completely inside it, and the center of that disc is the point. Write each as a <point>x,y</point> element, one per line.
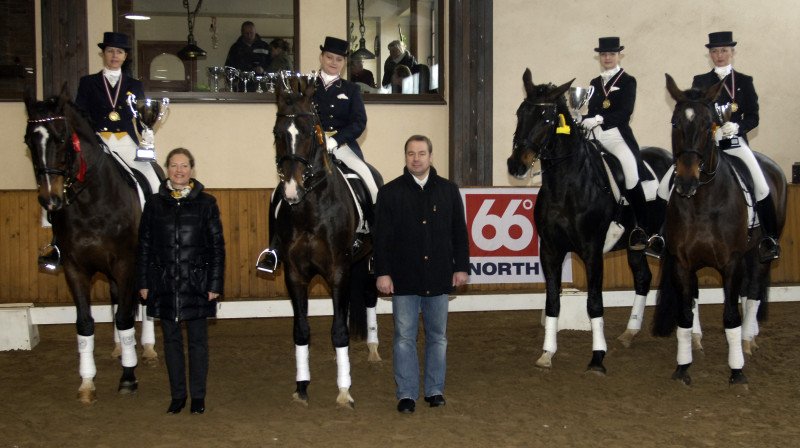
<point>732,320</point>
<point>594,307</point>
<point>686,284</point>
<point>551,266</point>
<point>122,293</point>
<point>79,285</point>
<point>340,335</point>
<point>637,261</point>
<point>298,291</point>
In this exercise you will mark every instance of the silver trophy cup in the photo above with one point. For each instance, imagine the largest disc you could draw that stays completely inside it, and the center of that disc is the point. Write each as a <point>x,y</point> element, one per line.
<point>724,112</point>
<point>149,114</point>
<point>214,74</point>
<point>578,96</point>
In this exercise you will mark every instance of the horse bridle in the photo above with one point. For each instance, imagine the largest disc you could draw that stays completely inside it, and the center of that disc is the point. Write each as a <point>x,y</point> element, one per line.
<point>311,175</point>
<point>701,155</point>
<point>552,109</point>
<point>69,180</point>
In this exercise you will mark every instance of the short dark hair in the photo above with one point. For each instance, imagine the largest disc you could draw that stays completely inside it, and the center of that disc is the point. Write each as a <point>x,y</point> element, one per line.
<point>419,138</point>
<point>280,43</point>
<point>183,151</point>
<point>247,23</point>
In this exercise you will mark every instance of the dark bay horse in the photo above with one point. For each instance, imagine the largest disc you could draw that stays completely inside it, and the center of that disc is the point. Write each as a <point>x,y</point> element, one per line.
<point>575,209</point>
<point>316,226</point>
<point>95,216</point>
<point>707,226</point>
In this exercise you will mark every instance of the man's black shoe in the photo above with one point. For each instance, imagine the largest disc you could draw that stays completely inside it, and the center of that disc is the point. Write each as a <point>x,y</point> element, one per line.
<point>406,406</point>
<point>436,401</point>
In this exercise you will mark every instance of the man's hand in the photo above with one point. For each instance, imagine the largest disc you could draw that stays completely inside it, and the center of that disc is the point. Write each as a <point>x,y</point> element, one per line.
<point>143,294</point>
<point>385,284</point>
<point>460,278</point>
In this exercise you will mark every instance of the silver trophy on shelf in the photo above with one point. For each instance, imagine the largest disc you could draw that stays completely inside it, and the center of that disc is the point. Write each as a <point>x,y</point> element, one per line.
<point>724,112</point>
<point>215,73</point>
<point>149,114</point>
<point>246,77</point>
<point>232,74</point>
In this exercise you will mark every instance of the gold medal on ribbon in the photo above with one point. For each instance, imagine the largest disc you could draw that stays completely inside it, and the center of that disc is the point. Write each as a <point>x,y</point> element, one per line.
<point>734,107</point>
<point>113,116</point>
<point>606,103</point>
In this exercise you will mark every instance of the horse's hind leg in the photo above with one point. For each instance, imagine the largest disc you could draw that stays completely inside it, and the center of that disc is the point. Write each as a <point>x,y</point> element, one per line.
<point>340,336</point>
<point>642,277</point>
<point>79,285</point>
<point>122,293</point>
<point>594,307</point>
<point>732,320</point>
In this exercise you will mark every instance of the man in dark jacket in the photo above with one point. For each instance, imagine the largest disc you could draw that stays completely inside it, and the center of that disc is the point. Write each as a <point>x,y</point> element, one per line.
<point>249,53</point>
<point>421,255</point>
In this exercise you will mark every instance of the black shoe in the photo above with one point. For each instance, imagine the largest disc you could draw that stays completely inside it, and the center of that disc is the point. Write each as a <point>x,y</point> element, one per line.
<point>268,261</point>
<point>768,250</point>
<point>198,405</point>
<point>655,246</point>
<point>176,405</point>
<point>406,406</point>
<point>638,239</point>
<point>436,401</point>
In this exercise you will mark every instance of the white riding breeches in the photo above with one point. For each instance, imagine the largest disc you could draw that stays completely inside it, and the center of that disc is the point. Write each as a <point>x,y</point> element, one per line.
<point>745,154</point>
<point>346,155</point>
<point>126,147</point>
<point>613,142</point>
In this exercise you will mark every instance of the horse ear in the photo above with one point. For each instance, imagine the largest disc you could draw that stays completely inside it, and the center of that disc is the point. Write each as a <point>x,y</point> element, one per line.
<point>713,92</point>
<point>676,93</point>
<point>527,81</point>
<point>553,95</point>
<point>63,97</point>
<point>309,89</point>
<point>28,97</point>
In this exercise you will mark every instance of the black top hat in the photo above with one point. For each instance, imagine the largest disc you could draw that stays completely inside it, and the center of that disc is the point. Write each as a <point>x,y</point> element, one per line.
<point>721,39</point>
<point>119,40</point>
<point>336,46</point>
<point>609,44</point>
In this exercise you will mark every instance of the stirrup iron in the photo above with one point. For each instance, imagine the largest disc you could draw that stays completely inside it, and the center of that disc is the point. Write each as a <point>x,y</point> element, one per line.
<point>50,260</point>
<point>268,261</point>
<point>655,246</point>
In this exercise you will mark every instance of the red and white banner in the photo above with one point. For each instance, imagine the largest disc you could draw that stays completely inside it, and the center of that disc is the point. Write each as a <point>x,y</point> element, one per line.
<point>503,242</point>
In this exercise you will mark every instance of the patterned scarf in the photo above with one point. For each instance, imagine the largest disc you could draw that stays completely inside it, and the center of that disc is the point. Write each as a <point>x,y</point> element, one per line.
<point>183,192</point>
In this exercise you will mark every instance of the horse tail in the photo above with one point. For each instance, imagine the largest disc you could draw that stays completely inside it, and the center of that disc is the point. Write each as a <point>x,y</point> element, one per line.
<point>362,291</point>
<point>665,317</point>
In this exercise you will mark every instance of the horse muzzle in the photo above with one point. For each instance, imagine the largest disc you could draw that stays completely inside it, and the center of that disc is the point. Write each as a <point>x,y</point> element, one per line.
<point>686,186</point>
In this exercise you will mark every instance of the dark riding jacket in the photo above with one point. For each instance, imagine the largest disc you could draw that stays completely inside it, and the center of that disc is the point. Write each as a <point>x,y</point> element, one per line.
<point>341,109</point>
<point>420,235</point>
<point>93,98</point>
<point>618,114</point>
<point>181,256</point>
<point>745,98</point>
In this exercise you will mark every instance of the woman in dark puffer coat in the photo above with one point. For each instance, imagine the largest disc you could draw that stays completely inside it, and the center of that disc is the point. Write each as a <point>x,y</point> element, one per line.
<point>179,272</point>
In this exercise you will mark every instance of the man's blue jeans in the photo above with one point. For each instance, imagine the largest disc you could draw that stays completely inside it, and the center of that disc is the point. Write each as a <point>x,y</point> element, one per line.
<point>406,363</point>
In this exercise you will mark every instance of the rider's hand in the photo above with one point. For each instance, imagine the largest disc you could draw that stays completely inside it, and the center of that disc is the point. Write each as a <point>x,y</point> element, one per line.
<point>331,143</point>
<point>592,122</point>
<point>729,129</point>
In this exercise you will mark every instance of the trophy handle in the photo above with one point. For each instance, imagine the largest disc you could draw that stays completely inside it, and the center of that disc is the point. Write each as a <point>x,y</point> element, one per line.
<point>163,109</point>
<point>134,120</point>
<point>589,93</point>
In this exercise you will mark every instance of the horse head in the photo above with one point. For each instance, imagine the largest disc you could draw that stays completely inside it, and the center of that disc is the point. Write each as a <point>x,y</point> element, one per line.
<point>693,136</point>
<point>298,136</point>
<point>51,137</point>
<point>537,120</point>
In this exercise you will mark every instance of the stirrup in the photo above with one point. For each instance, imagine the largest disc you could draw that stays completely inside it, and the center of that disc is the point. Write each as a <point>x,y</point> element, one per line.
<point>268,261</point>
<point>655,246</point>
<point>768,249</point>
<point>637,240</point>
<point>371,265</point>
<point>50,260</point>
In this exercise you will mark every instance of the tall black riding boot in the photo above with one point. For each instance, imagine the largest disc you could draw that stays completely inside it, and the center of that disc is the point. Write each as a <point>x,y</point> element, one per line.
<point>638,237</point>
<point>268,259</point>
<point>656,243</point>
<point>768,248</point>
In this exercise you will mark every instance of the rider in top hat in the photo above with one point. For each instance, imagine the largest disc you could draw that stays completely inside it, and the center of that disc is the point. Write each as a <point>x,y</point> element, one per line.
<point>343,117</point>
<point>609,111</point>
<point>104,97</point>
<point>740,93</point>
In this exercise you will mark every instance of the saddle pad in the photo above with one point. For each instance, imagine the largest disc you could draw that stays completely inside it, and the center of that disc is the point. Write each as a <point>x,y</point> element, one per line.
<point>650,187</point>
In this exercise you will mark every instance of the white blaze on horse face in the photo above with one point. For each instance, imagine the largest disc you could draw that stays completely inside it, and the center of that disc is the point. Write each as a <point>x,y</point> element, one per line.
<point>41,130</point>
<point>294,133</point>
<point>690,113</point>
<point>290,191</point>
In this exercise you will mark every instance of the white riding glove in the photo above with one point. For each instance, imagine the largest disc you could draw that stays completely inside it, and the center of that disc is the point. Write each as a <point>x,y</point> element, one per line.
<point>592,122</point>
<point>331,144</point>
<point>729,129</point>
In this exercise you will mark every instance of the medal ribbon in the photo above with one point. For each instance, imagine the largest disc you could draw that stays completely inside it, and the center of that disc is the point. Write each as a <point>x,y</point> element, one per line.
<point>116,95</point>
<point>606,92</point>
<point>732,90</point>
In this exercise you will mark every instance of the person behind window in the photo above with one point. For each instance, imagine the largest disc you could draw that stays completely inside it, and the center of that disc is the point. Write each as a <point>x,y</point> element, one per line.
<point>359,74</point>
<point>279,50</point>
<point>402,82</point>
<point>398,55</point>
<point>180,267</point>
<point>249,53</point>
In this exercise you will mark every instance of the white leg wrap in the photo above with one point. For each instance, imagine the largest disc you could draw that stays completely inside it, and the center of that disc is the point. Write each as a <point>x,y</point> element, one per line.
<point>148,330</point>
<point>128,341</point>
<point>744,305</point>
<point>301,359</point>
<point>598,335</point>
<point>637,313</point>
<point>696,328</point>
<point>750,325</point>
<point>343,368</point>
<point>684,346</point>
<point>735,355</point>
<point>113,320</point>
<point>372,325</point>
<point>86,368</point>
<point>550,332</point>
